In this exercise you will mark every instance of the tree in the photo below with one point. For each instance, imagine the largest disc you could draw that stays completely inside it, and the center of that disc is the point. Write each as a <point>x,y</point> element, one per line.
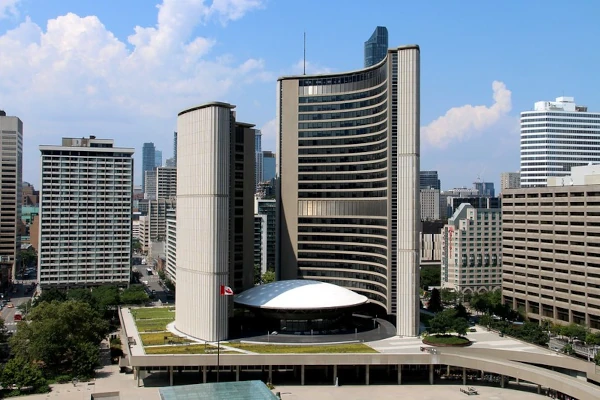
<point>479,303</point>
<point>486,320</point>
<point>86,359</point>
<point>135,294</point>
<point>449,296</point>
<point>106,297</point>
<point>592,339</point>
<point>574,331</point>
<point>532,333</point>
<point>435,301</point>
<point>84,295</point>
<point>137,246</point>
<point>460,326</point>
<point>20,373</point>
<point>461,311</point>
<point>442,322</point>
<point>268,277</point>
<point>49,296</point>
<point>56,332</point>
<point>430,276</point>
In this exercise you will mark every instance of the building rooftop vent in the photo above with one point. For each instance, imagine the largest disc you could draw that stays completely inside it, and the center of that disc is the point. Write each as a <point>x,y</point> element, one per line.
<point>2,113</point>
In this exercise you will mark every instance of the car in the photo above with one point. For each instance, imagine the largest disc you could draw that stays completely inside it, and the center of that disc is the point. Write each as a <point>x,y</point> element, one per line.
<point>10,305</point>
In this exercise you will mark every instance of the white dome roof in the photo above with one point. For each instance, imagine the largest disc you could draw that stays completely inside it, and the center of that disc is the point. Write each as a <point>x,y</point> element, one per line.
<point>299,295</point>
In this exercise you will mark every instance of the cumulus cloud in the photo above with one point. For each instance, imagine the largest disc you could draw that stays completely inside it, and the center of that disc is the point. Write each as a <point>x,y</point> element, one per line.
<point>269,135</point>
<point>460,123</point>
<point>8,8</point>
<point>75,64</point>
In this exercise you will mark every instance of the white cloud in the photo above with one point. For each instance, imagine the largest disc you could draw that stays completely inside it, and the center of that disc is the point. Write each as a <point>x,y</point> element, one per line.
<point>460,123</point>
<point>8,8</point>
<point>75,77</point>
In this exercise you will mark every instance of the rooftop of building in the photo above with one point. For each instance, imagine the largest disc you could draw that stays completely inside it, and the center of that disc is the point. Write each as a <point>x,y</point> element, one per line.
<point>206,105</point>
<point>299,294</point>
<point>356,71</point>
<point>562,103</point>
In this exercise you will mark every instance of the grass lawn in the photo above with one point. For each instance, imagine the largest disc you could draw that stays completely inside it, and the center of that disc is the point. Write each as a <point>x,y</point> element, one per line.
<point>446,339</point>
<point>153,313</point>
<point>191,349</point>
<point>279,349</point>
<point>152,339</point>
<point>153,325</point>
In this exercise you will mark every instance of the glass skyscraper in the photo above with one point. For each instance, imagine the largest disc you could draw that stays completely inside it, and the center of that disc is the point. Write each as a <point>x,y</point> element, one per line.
<point>148,161</point>
<point>376,47</point>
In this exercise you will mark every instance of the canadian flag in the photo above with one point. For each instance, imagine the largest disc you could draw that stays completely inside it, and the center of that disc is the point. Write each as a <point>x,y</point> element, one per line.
<point>226,291</point>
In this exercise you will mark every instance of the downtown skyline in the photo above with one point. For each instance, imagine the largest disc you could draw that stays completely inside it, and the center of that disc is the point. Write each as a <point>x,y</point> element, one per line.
<point>79,69</point>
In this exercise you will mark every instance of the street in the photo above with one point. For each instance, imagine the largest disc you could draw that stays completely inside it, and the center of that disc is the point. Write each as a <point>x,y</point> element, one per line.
<point>154,284</point>
<point>18,298</point>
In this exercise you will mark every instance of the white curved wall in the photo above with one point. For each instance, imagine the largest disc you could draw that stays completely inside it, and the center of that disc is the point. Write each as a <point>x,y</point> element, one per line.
<point>203,162</point>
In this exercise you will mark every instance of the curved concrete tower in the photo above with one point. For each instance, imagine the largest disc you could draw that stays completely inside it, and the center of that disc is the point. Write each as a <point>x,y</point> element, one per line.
<point>203,185</point>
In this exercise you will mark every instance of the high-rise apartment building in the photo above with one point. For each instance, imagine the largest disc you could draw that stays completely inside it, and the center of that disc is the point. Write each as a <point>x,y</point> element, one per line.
<point>215,219</point>
<point>472,250</point>
<point>166,183</point>
<point>258,158</point>
<point>376,47</point>
<point>11,174</point>
<point>429,180</point>
<point>268,208</point>
<point>85,213</point>
<point>430,204</point>
<point>269,165</point>
<point>510,180</point>
<point>157,158</point>
<point>171,245</point>
<point>148,161</point>
<point>348,166</point>
<point>260,242</point>
<point>174,149</point>
<point>556,136</point>
<point>551,238</point>
<point>150,188</point>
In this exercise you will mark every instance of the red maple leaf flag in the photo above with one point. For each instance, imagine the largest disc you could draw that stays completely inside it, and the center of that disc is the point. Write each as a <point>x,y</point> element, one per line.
<point>226,291</point>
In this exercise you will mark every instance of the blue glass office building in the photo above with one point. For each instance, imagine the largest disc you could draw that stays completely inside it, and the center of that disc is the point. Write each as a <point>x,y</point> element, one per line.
<point>376,47</point>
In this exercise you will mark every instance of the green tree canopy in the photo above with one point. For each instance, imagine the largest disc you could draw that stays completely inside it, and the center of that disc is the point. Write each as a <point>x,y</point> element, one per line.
<point>57,332</point>
<point>430,276</point>
<point>50,295</point>
<point>435,301</point>
<point>84,295</point>
<point>461,311</point>
<point>106,297</point>
<point>449,296</point>
<point>268,277</point>
<point>447,322</point>
<point>22,373</point>
<point>135,294</point>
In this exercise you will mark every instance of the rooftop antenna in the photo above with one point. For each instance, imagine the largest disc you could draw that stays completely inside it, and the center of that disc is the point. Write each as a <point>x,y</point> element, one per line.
<point>304,53</point>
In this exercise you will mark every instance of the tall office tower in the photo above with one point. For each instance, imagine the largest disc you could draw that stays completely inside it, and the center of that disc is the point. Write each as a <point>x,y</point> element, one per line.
<point>215,219</point>
<point>170,162</point>
<point>174,149</point>
<point>268,208</point>
<point>376,48</point>
<point>269,162</point>
<point>157,158</point>
<point>443,206</point>
<point>472,250</point>
<point>551,264</point>
<point>429,179</point>
<point>150,185</point>
<point>348,166</point>
<point>430,204</point>
<point>485,189</point>
<point>166,183</point>
<point>510,180</point>
<point>11,174</point>
<point>85,213</point>
<point>258,159</point>
<point>556,136</point>
<point>476,202</point>
<point>148,161</point>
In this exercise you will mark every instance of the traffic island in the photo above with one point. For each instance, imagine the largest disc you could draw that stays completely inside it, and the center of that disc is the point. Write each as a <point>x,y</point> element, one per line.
<point>446,341</point>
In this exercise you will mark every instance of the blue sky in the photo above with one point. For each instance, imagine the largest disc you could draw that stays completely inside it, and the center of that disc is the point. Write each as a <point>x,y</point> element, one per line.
<point>75,68</point>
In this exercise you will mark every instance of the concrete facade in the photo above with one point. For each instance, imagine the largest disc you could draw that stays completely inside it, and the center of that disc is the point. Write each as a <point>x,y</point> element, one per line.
<point>349,209</point>
<point>510,180</point>
<point>551,264</point>
<point>472,250</point>
<point>215,186</point>
<point>11,173</point>
<point>85,213</point>
<point>430,204</point>
<point>171,246</point>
